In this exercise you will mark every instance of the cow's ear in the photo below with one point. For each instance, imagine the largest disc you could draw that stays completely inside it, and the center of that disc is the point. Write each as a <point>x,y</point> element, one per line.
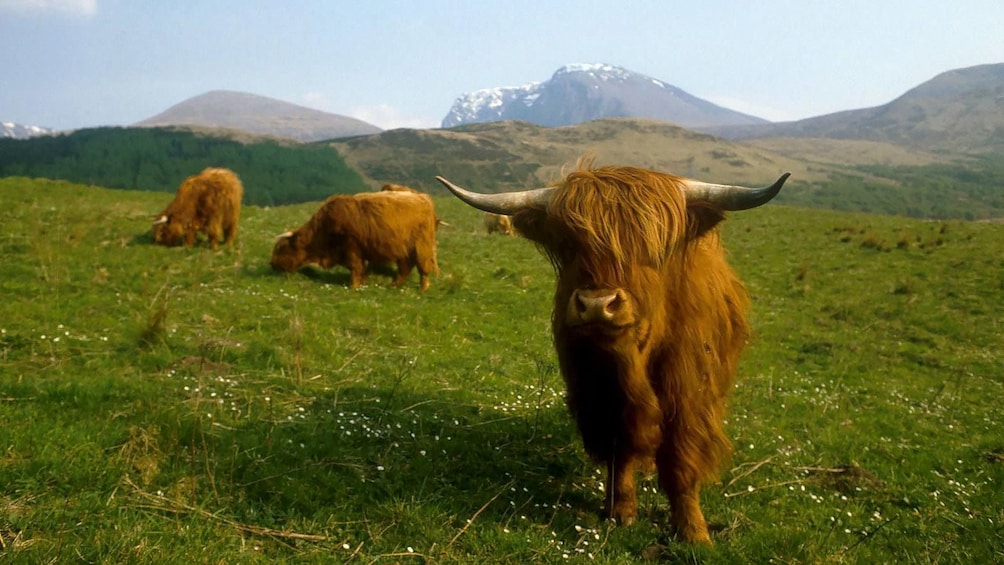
<point>702,217</point>
<point>532,224</point>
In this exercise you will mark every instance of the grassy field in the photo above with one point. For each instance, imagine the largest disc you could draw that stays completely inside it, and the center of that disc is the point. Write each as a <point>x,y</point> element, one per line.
<point>172,405</point>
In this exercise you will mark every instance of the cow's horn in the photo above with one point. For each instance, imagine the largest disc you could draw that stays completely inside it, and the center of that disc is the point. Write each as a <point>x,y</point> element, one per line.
<point>731,197</point>
<point>506,203</point>
<point>283,235</point>
<point>160,220</point>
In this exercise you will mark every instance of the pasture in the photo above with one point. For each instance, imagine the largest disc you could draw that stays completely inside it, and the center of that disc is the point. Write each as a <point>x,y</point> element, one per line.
<point>170,404</point>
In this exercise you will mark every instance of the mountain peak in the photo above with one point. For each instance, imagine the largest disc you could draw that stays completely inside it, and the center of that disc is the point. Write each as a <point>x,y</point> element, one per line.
<point>260,115</point>
<point>583,92</point>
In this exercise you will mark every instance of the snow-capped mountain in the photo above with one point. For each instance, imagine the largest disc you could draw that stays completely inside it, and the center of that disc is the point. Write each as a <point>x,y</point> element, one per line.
<point>583,92</point>
<point>18,131</point>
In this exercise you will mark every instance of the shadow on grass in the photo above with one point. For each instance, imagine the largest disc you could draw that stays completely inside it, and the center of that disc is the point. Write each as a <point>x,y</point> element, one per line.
<point>349,456</point>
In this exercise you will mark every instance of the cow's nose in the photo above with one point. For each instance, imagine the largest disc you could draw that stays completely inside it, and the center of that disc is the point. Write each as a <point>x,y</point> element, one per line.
<point>597,305</point>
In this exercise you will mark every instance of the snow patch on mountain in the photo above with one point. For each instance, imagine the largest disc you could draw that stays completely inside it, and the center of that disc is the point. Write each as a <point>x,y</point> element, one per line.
<point>18,131</point>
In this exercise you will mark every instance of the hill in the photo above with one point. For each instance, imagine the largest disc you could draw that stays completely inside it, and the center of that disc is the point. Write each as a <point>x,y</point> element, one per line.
<point>581,93</point>
<point>959,111</point>
<point>507,155</point>
<point>259,115</point>
<point>846,175</point>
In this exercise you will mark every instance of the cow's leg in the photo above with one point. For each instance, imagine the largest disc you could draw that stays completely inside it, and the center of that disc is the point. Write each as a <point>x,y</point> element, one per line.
<point>683,489</point>
<point>622,493</point>
<point>357,270</point>
<point>638,439</point>
<point>230,233</point>
<point>215,232</point>
<point>403,270</point>
<point>426,266</point>
<point>423,283</point>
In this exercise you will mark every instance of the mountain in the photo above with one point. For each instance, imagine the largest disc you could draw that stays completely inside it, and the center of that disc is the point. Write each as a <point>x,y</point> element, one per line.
<point>18,131</point>
<point>959,111</point>
<point>581,93</point>
<point>259,115</point>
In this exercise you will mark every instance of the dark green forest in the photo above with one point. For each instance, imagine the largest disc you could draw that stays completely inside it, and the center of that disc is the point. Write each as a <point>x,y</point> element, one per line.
<point>159,159</point>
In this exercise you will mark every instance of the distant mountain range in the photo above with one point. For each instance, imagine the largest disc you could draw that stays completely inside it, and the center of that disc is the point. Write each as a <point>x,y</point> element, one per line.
<point>580,93</point>
<point>959,111</point>
<point>19,131</point>
<point>259,115</point>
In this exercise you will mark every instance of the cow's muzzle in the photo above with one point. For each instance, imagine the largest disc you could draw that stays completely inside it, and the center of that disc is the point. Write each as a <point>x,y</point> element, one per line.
<point>607,309</point>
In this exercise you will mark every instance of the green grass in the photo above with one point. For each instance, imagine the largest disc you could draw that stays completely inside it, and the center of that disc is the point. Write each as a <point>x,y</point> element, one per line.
<point>169,404</point>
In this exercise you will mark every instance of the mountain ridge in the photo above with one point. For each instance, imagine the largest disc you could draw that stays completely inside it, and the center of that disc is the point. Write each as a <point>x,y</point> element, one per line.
<point>580,93</point>
<point>259,115</point>
<point>959,111</point>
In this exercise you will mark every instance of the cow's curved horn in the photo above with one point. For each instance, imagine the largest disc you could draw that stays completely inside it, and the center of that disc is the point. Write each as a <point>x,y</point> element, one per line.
<point>160,220</point>
<point>731,197</point>
<point>506,203</point>
<point>284,235</point>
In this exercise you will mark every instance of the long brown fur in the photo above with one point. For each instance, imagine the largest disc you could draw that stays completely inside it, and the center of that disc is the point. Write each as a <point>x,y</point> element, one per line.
<point>209,202</point>
<point>650,385</point>
<point>372,227</point>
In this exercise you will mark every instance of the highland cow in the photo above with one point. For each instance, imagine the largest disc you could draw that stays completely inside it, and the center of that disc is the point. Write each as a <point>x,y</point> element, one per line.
<point>498,223</point>
<point>361,229</point>
<point>649,321</point>
<point>209,202</point>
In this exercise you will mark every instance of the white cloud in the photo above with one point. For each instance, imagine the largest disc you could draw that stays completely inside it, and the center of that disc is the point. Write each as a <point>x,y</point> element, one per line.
<point>315,100</point>
<point>752,108</point>
<point>387,117</point>
<point>384,116</point>
<point>73,8</point>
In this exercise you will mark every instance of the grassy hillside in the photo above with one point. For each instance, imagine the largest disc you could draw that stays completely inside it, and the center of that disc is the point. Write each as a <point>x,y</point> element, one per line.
<point>843,175</point>
<point>179,405</point>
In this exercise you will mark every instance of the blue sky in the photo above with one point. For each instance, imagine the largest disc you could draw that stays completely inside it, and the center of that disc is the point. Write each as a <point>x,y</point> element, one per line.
<point>82,63</point>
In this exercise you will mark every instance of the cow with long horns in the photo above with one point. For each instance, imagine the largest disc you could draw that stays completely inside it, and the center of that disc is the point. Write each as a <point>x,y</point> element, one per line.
<point>649,321</point>
<point>209,202</point>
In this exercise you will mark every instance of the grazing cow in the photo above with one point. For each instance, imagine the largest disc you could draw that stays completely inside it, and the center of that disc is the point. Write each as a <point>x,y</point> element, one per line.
<point>648,321</point>
<point>498,223</point>
<point>370,227</point>
<point>209,202</point>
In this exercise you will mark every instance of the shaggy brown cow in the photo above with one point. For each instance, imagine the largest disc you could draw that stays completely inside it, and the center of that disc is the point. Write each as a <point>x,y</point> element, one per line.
<point>370,227</point>
<point>498,223</point>
<point>209,202</point>
<point>648,321</point>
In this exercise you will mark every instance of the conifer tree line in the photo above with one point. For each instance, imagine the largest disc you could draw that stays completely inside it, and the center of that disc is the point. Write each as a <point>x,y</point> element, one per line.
<point>158,159</point>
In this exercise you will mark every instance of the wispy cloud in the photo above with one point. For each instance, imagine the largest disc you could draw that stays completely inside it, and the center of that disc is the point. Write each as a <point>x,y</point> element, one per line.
<point>71,8</point>
<point>387,117</point>
<point>738,104</point>
<point>383,116</point>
